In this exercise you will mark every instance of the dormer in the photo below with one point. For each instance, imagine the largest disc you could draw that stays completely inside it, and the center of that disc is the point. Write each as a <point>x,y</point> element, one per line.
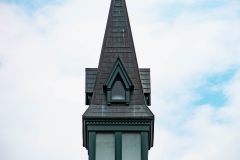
<point>118,84</point>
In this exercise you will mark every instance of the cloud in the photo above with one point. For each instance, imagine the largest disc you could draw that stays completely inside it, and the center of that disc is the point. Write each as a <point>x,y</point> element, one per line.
<point>44,52</point>
<point>42,85</point>
<point>184,53</point>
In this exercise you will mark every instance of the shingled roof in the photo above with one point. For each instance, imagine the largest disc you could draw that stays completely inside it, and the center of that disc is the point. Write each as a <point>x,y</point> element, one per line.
<point>91,74</point>
<point>118,43</point>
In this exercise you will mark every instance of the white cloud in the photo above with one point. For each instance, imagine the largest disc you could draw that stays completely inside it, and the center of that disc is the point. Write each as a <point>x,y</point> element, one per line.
<point>42,61</point>
<point>182,54</point>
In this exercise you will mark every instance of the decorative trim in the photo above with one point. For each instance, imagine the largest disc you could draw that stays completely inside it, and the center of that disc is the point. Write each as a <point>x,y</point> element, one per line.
<point>93,128</point>
<point>120,123</point>
<point>135,125</point>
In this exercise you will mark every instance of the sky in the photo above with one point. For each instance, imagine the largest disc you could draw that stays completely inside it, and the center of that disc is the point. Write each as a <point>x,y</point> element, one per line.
<point>191,46</point>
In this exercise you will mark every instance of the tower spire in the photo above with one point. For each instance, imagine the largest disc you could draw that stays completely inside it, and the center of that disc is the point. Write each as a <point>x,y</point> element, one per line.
<point>118,92</point>
<point>118,42</point>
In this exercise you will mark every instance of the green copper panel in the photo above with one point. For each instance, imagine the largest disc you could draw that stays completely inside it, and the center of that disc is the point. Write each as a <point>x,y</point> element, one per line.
<point>91,145</point>
<point>144,145</point>
<point>118,145</point>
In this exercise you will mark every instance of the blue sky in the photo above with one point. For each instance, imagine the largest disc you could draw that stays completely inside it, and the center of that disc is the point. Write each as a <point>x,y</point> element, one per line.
<point>170,10</point>
<point>191,46</point>
<point>211,91</point>
<point>30,5</point>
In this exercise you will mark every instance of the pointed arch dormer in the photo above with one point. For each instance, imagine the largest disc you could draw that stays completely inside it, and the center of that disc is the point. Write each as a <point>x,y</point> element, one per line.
<point>118,84</point>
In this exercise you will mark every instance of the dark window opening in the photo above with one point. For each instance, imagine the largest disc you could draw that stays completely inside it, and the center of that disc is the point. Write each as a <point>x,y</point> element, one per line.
<point>118,90</point>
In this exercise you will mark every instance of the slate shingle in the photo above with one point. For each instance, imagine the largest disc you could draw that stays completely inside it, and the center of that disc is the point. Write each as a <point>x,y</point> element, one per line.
<point>118,42</point>
<point>91,74</point>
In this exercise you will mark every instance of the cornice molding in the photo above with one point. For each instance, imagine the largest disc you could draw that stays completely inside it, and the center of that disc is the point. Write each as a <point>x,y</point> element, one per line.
<point>120,123</point>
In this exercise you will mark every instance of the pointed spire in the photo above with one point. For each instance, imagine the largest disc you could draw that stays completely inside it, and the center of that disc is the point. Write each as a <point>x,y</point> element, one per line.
<point>117,57</point>
<point>118,43</point>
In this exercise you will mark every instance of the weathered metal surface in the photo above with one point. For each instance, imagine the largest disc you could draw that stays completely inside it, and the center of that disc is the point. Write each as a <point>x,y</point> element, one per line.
<point>131,145</point>
<point>118,111</point>
<point>105,145</point>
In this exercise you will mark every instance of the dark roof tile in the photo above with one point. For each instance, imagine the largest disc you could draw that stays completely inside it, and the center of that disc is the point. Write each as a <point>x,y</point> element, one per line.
<point>118,43</point>
<point>91,74</point>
